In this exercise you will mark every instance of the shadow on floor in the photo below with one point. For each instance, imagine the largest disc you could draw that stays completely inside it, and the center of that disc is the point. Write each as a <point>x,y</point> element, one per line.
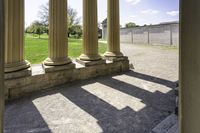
<point>23,117</point>
<point>156,100</point>
<point>109,118</point>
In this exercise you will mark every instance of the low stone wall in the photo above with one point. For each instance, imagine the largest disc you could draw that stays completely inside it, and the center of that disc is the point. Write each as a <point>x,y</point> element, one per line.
<point>163,34</point>
<point>41,80</point>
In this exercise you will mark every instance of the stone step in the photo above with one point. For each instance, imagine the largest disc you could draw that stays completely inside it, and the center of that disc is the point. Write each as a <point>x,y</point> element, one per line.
<point>167,125</point>
<point>174,129</point>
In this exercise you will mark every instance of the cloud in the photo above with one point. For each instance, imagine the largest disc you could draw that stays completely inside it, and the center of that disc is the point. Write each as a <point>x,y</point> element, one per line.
<point>173,13</point>
<point>132,16</point>
<point>133,2</point>
<point>150,11</point>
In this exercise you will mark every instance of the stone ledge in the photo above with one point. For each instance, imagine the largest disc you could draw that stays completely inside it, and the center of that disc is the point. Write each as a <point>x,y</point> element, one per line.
<point>18,74</point>
<point>49,69</point>
<point>116,59</point>
<point>39,80</point>
<point>90,63</point>
<point>166,125</point>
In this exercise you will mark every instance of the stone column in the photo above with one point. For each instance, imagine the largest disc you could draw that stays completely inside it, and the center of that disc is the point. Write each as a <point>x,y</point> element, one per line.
<point>190,66</point>
<point>2,43</point>
<point>113,30</point>
<point>90,32</point>
<point>14,37</point>
<point>58,45</point>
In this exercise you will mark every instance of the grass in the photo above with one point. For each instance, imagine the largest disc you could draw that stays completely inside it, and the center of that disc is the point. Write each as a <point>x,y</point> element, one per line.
<point>36,50</point>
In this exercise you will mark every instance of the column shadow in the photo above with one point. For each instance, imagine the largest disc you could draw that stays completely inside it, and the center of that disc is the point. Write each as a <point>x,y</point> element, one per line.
<point>113,120</point>
<point>23,117</point>
<point>158,107</point>
<point>158,100</point>
<point>109,118</point>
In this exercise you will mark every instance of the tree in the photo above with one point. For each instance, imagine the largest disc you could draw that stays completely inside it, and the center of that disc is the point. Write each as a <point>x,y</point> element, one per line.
<point>76,31</point>
<point>72,18</point>
<point>36,28</point>
<point>44,14</point>
<point>130,25</point>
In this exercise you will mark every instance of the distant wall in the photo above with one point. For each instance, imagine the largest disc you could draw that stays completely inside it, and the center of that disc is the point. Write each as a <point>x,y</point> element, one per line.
<point>163,34</point>
<point>104,32</point>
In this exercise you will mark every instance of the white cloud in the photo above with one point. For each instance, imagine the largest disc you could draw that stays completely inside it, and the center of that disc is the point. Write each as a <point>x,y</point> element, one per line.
<point>133,2</point>
<point>133,16</point>
<point>173,13</point>
<point>150,11</point>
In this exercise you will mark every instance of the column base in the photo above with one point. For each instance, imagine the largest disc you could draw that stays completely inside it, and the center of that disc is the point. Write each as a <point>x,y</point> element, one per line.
<point>116,59</point>
<point>13,67</point>
<point>57,62</point>
<point>84,57</point>
<point>49,69</point>
<point>113,54</point>
<point>18,74</point>
<point>90,63</point>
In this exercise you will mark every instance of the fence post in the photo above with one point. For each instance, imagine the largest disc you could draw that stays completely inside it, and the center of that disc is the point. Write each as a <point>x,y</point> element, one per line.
<point>148,37</point>
<point>132,36</point>
<point>171,35</point>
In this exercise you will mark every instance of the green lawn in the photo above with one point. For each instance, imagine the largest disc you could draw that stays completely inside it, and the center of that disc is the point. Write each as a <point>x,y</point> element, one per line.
<point>36,50</point>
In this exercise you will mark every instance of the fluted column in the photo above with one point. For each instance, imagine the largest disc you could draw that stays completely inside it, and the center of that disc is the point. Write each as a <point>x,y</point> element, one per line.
<point>14,36</point>
<point>58,46</point>
<point>2,43</point>
<point>113,29</point>
<point>90,31</point>
<point>190,66</point>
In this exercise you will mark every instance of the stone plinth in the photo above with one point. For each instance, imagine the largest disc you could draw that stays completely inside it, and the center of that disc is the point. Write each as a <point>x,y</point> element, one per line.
<point>90,63</point>
<point>19,74</point>
<point>116,59</point>
<point>41,80</point>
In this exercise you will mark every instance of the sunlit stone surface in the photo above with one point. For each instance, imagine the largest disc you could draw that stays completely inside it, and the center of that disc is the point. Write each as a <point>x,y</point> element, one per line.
<point>133,102</point>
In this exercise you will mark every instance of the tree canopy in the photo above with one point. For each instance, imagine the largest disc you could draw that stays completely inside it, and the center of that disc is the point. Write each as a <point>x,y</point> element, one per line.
<point>37,28</point>
<point>73,21</point>
<point>130,25</point>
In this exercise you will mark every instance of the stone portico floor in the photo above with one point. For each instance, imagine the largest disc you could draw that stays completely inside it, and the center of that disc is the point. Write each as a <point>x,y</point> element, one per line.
<point>133,102</point>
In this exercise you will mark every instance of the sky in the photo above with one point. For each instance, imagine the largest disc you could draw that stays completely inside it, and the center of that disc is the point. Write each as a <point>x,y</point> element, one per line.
<point>138,11</point>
